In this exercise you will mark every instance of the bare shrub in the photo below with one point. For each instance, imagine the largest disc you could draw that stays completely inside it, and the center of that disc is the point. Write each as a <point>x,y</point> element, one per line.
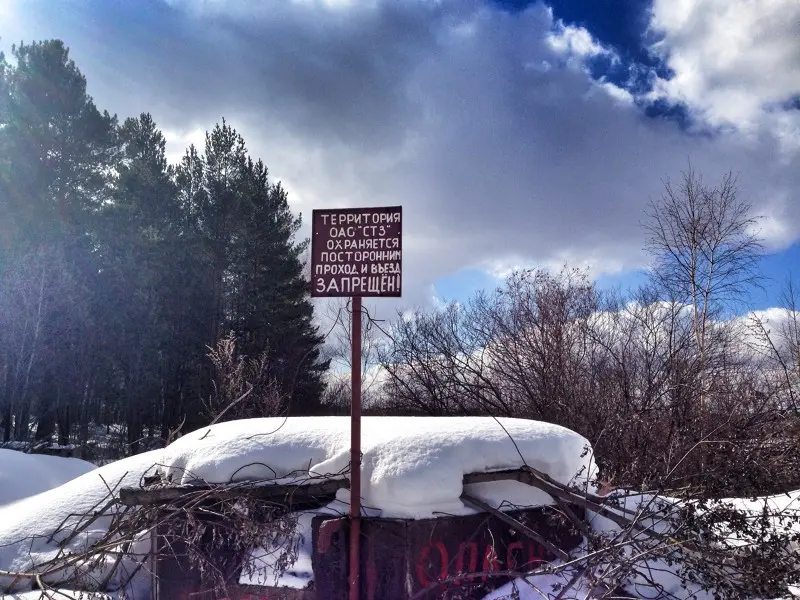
<point>242,387</point>
<point>661,381</point>
<point>627,374</point>
<point>704,246</point>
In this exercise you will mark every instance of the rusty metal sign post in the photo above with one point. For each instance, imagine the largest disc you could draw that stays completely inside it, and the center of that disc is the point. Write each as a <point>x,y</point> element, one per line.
<point>356,252</point>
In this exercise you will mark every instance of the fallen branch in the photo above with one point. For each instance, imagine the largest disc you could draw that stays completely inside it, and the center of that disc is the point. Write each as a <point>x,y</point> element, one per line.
<point>517,525</point>
<point>297,492</point>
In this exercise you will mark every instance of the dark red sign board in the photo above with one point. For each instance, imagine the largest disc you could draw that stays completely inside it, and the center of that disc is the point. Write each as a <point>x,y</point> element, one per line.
<point>357,252</point>
<point>451,558</point>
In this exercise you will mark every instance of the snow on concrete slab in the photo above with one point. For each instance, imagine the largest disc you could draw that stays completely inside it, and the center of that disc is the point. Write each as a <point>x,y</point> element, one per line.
<point>23,475</point>
<point>412,467</point>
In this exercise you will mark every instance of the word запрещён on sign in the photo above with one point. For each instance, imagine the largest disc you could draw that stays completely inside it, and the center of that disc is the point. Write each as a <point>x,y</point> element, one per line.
<point>357,252</point>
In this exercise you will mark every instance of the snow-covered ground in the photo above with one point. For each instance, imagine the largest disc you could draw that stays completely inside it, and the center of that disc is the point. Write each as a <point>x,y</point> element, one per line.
<point>412,468</point>
<point>23,475</point>
<point>26,526</point>
<point>653,577</point>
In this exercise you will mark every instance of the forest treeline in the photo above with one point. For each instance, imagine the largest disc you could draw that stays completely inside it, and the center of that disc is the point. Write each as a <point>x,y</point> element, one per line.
<point>118,270</point>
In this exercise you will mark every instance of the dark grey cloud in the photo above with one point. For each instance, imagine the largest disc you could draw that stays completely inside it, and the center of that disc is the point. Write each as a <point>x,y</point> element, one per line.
<point>500,147</point>
<point>323,73</point>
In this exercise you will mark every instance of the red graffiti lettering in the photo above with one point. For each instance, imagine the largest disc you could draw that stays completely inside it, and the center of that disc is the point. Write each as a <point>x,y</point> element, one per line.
<point>473,559</point>
<point>469,559</point>
<point>423,563</point>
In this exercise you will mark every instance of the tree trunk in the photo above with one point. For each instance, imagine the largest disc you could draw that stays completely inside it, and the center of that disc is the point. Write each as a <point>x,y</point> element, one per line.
<point>46,426</point>
<point>64,425</point>
<point>6,413</point>
<point>21,424</point>
<point>83,418</point>
<point>8,419</point>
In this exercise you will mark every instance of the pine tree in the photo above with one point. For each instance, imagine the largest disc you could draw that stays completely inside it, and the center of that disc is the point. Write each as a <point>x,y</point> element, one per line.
<point>5,239</point>
<point>58,147</point>
<point>118,271</point>
<point>244,232</point>
<point>57,150</point>
<point>276,314</point>
<point>137,243</point>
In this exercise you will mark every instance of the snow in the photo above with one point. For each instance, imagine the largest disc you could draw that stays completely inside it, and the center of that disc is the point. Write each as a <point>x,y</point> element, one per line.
<point>23,475</point>
<point>412,467</point>
<point>260,565</point>
<point>659,577</point>
<point>60,594</point>
<point>541,587</point>
<point>656,578</point>
<point>27,525</point>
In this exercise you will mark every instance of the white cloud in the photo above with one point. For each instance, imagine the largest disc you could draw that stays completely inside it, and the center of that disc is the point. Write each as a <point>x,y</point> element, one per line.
<point>569,40</point>
<point>776,225</point>
<point>733,59</point>
<point>179,141</point>
<point>774,322</point>
<point>618,93</point>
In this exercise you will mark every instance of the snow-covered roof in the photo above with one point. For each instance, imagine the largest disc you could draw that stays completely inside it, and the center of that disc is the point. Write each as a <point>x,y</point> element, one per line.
<point>412,467</point>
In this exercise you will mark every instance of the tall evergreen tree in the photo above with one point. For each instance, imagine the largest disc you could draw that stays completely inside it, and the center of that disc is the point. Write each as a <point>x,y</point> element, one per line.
<point>57,151</point>
<point>118,272</point>
<point>137,241</point>
<point>192,301</point>
<point>58,147</point>
<point>245,231</point>
<point>4,158</point>
<point>274,312</point>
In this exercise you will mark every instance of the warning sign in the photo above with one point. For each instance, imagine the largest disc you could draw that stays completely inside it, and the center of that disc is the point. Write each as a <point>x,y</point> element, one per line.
<point>357,252</point>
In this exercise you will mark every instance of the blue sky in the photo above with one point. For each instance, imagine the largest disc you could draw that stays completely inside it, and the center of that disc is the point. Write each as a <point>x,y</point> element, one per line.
<point>513,133</point>
<point>776,268</point>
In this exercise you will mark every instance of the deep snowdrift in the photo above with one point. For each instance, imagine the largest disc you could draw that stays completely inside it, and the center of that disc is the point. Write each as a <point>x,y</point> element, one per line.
<point>23,475</point>
<point>26,525</point>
